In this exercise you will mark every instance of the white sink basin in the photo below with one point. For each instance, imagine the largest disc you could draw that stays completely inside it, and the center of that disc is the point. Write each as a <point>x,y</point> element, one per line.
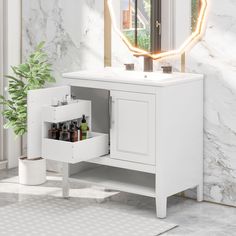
<point>132,77</point>
<point>139,75</point>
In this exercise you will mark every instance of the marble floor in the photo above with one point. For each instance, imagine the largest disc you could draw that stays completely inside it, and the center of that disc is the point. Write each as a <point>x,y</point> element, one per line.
<point>193,218</point>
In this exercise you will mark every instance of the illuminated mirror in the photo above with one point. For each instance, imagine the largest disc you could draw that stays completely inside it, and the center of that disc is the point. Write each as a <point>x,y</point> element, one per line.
<point>158,28</point>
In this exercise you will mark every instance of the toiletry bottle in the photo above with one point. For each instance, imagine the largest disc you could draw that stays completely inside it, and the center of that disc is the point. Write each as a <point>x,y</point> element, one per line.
<point>77,126</point>
<point>83,129</point>
<point>75,123</point>
<point>73,133</point>
<point>55,102</point>
<point>73,99</point>
<point>53,132</point>
<point>65,100</point>
<point>65,134</point>
<point>59,128</point>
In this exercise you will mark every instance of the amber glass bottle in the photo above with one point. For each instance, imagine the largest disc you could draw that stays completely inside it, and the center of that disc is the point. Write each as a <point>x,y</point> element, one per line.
<point>53,132</point>
<point>73,133</point>
<point>65,134</point>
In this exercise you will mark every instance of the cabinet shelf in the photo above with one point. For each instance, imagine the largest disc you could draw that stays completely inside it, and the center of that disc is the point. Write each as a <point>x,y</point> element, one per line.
<point>118,179</point>
<point>108,161</point>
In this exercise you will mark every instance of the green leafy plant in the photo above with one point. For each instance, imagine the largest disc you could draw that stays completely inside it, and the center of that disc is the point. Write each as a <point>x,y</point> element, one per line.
<point>144,41</point>
<point>195,13</point>
<point>33,74</point>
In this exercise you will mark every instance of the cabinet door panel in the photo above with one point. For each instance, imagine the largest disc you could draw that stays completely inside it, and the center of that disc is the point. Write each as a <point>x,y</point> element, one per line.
<point>133,127</point>
<point>36,100</point>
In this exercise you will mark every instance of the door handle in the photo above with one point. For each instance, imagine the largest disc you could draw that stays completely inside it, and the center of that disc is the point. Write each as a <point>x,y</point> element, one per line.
<point>158,26</point>
<point>110,110</point>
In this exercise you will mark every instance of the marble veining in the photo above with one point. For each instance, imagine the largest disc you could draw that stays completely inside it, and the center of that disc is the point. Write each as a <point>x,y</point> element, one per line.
<point>215,57</point>
<point>73,32</point>
<point>74,35</point>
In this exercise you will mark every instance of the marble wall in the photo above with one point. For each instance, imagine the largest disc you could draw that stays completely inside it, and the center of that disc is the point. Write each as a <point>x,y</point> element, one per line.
<point>215,57</point>
<point>73,31</point>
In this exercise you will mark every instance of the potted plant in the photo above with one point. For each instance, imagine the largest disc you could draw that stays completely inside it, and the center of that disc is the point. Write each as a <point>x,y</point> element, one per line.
<point>33,74</point>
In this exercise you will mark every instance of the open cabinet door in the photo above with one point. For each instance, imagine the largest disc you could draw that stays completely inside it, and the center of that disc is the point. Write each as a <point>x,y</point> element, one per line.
<point>36,100</point>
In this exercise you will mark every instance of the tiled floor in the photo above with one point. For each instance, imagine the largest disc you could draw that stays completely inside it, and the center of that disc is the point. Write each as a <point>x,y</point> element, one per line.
<point>193,218</point>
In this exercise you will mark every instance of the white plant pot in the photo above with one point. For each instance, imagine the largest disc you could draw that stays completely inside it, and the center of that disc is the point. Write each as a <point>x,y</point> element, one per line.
<point>32,172</point>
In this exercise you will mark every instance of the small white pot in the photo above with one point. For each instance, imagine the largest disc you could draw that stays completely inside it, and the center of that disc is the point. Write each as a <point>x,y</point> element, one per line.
<point>32,172</point>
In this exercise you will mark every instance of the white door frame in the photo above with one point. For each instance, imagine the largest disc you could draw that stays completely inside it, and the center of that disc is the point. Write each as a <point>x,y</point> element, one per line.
<point>11,42</point>
<point>174,13</point>
<point>1,76</point>
<point>167,35</point>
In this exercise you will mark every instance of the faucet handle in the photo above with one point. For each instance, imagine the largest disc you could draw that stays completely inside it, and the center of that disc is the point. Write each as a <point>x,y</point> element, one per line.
<point>167,69</point>
<point>129,66</point>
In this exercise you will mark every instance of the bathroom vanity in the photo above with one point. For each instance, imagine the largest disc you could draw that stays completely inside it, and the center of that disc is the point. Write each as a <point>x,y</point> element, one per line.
<point>154,146</point>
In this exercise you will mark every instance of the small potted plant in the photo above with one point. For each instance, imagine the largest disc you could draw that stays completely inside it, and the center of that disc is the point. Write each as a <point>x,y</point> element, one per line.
<point>33,74</point>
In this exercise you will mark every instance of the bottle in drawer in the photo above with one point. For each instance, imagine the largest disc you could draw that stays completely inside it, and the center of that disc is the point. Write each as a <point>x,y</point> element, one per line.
<point>84,129</point>
<point>65,133</point>
<point>73,132</point>
<point>53,133</point>
<point>60,125</point>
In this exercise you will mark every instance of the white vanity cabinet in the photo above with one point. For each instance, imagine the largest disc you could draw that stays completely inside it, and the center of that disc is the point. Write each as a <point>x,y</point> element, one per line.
<point>156,135</point>
<point>133,127</point>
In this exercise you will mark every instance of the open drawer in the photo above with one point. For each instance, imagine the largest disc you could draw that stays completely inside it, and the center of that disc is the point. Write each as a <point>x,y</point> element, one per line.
<point>68,152</point>
<point>67,112</point>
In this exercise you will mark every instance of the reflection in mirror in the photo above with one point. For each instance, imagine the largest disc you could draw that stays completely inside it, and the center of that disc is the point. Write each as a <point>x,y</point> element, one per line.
<point>156,25</point>
<point>136,22</point>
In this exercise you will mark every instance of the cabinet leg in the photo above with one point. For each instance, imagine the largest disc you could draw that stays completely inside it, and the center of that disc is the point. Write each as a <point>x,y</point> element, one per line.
<point>161,207</point>
<point>200,193</point>
<point>65,181</point>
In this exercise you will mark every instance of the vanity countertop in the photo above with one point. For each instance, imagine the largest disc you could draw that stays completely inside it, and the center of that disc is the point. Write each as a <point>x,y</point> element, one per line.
<point>157,79</point>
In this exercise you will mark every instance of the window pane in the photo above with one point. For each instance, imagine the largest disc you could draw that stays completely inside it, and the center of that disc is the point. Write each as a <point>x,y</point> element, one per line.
<point>144,24</point>
<point>128,19</point>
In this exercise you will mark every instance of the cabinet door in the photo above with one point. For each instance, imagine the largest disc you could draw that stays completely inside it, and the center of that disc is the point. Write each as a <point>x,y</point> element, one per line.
<point>133,127</point>
<point>36,100</point>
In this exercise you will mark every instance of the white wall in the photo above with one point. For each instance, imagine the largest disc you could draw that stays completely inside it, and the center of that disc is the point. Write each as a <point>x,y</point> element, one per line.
<point>1,76</point>
<point>176,23</point>
<point>12,56</point>
<point>167,26</point>
<point>181,22</point>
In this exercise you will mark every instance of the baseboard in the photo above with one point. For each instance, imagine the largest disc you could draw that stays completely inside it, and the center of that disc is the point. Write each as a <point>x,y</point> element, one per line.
<point>3,165</point>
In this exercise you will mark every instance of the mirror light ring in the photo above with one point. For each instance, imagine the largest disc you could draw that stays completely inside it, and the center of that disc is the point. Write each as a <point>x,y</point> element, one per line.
<point>192,40</point>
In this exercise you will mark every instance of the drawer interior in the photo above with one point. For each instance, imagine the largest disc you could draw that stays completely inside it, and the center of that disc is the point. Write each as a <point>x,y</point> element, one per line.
<point>73,152</point>
<point>99,106</point>
<point>96,144</point>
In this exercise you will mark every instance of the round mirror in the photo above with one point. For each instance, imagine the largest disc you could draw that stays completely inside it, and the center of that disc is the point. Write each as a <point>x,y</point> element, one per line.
<point>158,28</point>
